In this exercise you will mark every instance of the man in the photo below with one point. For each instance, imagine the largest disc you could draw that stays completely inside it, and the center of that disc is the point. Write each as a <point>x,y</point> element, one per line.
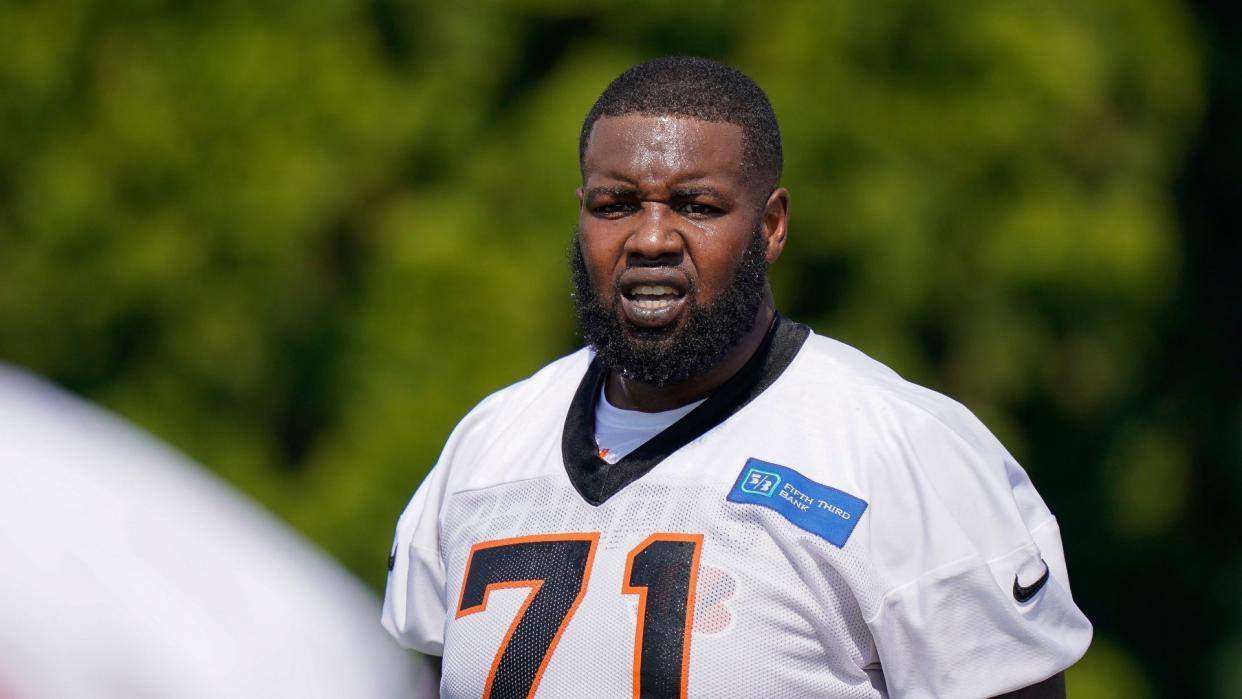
<point>710,500</point>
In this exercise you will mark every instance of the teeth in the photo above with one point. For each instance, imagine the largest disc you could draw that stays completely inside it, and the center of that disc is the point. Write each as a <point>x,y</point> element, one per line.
<point>654,290</point>
<point>653,304</point>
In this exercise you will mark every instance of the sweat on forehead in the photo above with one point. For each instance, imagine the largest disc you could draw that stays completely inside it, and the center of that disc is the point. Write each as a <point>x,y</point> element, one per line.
<point>662,146</point>
<point>697,88</point>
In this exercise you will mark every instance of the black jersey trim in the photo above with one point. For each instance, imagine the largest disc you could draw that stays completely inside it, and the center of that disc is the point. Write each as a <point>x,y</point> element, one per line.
<point>596,480</point>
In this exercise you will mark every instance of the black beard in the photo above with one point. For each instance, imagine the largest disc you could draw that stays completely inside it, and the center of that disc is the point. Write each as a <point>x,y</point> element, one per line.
<point>665,356</point>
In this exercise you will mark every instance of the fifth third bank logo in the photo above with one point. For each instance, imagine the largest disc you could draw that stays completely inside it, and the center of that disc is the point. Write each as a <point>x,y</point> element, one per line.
<point>760,482</point>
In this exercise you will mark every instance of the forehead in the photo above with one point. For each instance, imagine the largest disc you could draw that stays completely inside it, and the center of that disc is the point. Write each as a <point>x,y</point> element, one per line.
<point>638,147</point>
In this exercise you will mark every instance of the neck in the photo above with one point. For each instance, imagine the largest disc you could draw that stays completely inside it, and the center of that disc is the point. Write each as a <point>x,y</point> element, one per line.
<point>629,394</point>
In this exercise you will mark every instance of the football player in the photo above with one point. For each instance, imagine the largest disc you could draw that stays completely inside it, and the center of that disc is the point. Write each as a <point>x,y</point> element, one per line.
<point>710,500</point>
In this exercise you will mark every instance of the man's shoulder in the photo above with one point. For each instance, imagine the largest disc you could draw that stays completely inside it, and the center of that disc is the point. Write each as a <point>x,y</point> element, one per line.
<point>848,397</point>
<point>841,372</point>
<point>922,461</point>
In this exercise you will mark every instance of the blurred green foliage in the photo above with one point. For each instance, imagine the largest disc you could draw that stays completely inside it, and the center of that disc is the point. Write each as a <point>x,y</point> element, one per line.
<point>300,240</point>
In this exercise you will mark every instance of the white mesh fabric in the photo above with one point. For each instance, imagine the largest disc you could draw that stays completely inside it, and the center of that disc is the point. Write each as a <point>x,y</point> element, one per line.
<point>774,616</point>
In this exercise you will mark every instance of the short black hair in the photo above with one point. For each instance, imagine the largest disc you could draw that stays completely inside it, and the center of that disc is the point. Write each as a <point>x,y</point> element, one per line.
<point>699,88</point>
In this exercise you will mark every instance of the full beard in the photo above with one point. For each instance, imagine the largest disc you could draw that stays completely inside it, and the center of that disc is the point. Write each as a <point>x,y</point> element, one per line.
<point>669,355</point>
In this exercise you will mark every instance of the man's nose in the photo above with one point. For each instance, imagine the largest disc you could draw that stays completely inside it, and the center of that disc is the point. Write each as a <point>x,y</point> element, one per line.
<point>656,236</point>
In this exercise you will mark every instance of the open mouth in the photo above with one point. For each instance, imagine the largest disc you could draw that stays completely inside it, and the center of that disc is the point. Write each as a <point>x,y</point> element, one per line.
<point>653,298</point>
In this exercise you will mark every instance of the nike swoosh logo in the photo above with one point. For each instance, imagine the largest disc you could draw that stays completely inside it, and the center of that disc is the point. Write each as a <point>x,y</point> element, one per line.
<point>1024,593</point>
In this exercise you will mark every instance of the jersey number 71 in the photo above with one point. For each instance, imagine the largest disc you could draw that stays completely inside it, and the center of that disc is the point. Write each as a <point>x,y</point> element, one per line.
<point>662,571</point>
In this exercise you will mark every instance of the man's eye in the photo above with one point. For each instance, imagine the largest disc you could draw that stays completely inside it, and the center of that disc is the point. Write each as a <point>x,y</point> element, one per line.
<point>613,209</point>
<point>697,209</point>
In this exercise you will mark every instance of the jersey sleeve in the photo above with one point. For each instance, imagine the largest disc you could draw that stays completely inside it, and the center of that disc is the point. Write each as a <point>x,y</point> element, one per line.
<point>414,604</point>
<point>962,542</point>
<point>415,597</point>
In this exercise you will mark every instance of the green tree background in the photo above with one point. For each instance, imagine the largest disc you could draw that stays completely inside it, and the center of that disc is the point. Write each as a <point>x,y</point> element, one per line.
<point>299,240</point>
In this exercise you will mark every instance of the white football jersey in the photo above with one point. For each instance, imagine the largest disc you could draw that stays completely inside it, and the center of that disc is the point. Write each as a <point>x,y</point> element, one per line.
<point>818,527</point>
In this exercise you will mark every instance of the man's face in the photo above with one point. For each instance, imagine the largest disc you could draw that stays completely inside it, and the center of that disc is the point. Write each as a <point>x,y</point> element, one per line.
<point>670,259</point>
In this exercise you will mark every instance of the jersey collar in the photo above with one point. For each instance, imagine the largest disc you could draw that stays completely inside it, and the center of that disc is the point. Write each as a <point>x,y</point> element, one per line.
<point>596,480</point>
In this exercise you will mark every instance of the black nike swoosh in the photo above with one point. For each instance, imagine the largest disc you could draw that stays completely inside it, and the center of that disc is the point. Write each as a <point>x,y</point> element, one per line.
<point>1023,593</point>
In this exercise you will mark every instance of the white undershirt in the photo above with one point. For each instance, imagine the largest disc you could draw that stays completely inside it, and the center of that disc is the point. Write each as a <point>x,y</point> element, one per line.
<point>619,432</point>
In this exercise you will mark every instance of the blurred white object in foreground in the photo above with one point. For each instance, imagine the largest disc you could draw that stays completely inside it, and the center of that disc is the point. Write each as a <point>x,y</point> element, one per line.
<point>127,571</point>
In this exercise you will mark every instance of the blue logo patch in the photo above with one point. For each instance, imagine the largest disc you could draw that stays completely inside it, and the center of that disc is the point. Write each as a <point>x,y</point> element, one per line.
<point>819,509</point>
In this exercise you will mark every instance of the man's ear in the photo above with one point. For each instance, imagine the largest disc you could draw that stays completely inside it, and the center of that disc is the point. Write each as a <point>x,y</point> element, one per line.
<point>579,191</point>
<point>775,223</point>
